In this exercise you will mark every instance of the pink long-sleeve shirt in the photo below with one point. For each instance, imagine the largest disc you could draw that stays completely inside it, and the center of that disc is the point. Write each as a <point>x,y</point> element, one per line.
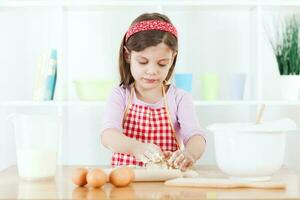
<point>180,104</point>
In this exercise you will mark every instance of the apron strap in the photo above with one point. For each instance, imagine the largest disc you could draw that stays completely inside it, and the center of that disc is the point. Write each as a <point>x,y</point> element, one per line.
<point>128,104</point>
<point>178,140</point>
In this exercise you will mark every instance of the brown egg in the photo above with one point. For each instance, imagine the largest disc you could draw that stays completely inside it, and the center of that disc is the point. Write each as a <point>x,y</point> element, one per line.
<point>130,170</point>
<point>96,177</point>
<point>121,176</point>
<point>79,176</point>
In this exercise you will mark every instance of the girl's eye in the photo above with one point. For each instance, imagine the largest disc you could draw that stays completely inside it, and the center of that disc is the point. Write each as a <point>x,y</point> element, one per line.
<point>143,63</point>
<point>162,65</point>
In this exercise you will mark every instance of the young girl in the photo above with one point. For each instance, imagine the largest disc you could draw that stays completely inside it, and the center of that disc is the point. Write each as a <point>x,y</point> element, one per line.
<point>146,118</point>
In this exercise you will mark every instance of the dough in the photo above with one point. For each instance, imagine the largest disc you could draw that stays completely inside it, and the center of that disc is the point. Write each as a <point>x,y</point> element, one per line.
<point>160,165</point>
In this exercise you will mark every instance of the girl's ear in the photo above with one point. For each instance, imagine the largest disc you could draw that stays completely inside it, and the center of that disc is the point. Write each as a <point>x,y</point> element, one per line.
<point>126,55</point>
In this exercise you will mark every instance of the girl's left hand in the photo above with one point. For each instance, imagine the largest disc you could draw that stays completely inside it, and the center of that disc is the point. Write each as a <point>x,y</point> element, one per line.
<point>180,159</point>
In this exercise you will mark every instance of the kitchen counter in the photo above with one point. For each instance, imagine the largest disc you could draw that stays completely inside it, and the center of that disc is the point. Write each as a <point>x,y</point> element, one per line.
<point>11,186</point>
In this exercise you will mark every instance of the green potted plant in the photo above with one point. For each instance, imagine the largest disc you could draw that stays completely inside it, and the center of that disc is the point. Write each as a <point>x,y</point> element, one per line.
<point>287,52</point>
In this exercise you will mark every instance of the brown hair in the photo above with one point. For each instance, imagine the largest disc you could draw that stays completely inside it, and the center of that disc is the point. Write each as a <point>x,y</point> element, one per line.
<point>143,39</point>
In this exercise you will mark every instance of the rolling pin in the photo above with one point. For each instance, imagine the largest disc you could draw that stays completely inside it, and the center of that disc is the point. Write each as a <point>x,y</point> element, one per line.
<point>223,183</point>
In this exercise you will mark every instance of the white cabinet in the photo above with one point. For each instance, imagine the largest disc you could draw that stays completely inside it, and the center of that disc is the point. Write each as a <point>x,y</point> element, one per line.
<point>219,36</point>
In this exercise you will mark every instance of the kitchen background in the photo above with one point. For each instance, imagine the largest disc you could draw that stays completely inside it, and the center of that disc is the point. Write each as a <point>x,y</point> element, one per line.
<point>216,36</point>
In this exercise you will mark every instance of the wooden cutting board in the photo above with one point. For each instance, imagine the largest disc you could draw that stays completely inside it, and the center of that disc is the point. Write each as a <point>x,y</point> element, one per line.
<point>223,183</point>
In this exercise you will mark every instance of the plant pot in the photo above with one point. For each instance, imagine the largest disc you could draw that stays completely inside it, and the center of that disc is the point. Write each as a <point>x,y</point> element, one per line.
<point>290,87</point>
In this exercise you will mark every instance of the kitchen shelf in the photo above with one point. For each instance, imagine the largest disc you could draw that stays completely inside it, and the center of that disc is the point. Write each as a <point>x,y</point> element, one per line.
<point>119,3</point>
<point>280,3</point>
<point>52,103</point>
<point>103,103</point>
<point>246,103</point>
<point>25,3</point>
<point>173,3</point>
<point>29,103</point>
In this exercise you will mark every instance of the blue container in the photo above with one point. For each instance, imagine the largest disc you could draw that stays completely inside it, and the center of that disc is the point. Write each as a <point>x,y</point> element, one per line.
<point>184,81</point>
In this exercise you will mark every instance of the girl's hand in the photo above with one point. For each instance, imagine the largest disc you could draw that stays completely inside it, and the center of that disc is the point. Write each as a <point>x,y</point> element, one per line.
<point>147,152</point>
<point>179,159</point>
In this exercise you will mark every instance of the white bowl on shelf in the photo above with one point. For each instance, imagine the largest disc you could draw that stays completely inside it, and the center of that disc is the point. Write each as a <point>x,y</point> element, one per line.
<point>248,151</point>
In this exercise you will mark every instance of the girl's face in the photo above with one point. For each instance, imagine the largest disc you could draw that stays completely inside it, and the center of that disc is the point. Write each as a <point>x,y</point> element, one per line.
<point>150,67</point>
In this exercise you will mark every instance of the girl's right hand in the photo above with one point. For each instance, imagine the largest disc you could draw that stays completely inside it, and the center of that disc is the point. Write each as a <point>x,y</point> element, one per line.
<point>180,159</point>
<point>147,152</point>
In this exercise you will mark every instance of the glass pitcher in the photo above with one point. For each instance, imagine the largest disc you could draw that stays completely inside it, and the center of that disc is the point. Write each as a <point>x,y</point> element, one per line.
<point>37,139</point>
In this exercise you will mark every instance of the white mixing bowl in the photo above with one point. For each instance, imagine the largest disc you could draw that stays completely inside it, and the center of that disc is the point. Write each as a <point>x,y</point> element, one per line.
<point>250,151</point>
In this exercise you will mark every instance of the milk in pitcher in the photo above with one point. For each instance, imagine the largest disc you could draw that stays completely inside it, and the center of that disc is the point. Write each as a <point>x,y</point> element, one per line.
<point>36,163</point>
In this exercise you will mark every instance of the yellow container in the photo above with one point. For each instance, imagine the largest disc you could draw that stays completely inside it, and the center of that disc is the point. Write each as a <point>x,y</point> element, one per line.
<point>93,90</point>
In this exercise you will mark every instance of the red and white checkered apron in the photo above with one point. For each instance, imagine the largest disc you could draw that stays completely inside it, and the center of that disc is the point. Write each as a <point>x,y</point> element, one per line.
<point>148,125</point>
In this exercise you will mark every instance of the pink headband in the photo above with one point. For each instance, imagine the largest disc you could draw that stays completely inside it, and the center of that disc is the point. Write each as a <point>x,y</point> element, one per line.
<point>151,25</point>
